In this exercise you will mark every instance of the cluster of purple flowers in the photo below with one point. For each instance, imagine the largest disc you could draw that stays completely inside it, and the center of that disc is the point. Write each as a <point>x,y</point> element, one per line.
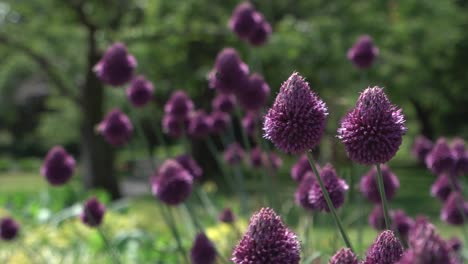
<point>249,24</point>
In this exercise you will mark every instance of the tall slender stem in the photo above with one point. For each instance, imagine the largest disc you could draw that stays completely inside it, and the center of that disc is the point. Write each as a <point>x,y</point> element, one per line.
<point>109,247</point>
<point>329,202</point>
<point>171,223</point>
<point>383,197</point>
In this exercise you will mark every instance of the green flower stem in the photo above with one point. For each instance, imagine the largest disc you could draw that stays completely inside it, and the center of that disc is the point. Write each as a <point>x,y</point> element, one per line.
<point>170,221</point>
<point>244,135</point>
<point>240,179</point>
<point>110,248</point>
<point>329,202</point>
<point>383,197</point>
<point>224,172</point>
<point>193,217</point>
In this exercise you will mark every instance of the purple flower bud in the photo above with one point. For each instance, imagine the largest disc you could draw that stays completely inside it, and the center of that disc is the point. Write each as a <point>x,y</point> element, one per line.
<point>230,73</point>
<point>440,159</point>
<point>460,155</point>
<point>376,218</point>
<point>455,209</point>
<point>172,184</point>
<point>421,147</point>
<point>227,216</point>
<point>93,212</point>
<point>401,223</point>
<point>335,186</point>
<point>442,187</point>
<point>220,121</point>
<point>303,190</point>
<point>199,124</point>
<point>58,166</point>
<point>140,92</point>
<point>203,251</point>
<point>250,123</point>
<point>116,128</point>
<point>267,241</point>
<point>9,228</point>
<point>233,154</point>
<point>300,168</point>
<point>190,165</point>
<point>173,126</point>
<point>369,187</point>
<point>254,96</point>
<point>261,31</point>
<point>242,21</point>
<point>372,132</point>
<point>116,66</point>
<point>179,105</point>
<point>296,121</point>
<point>274,160</point>
<point>256,157</point>
<point>224,103</point>
<point>386,249</point>
<point>344,256</point>
<point>363,53</point>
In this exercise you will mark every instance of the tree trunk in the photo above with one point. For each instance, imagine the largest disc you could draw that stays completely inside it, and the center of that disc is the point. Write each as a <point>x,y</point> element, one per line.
<point>423,116</point>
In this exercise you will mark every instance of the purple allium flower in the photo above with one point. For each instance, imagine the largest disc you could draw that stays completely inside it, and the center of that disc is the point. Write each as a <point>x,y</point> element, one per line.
<point>274,160</point>
<point>296,121</point>
<point>116,128</point>
<point>440,159</point>
<point>455,244</point>
<point>363,53</point>
<point>300,168</point>
<point>455,209</point>
<point>344,256</point>
<point>401,223</point>
<point>372,132</point>
<point>256,157</point>
<point>58,166</point>
<point>369,187</point>
<point>335,186</point>
<point>421,147</point>
<point>9,228</point>
<point>173,126</point>
<point>250,123</point>
<point>376,218</point>
<point>227,216</point>
<point>261,31</point>
<point>199,124</point>
<point>386,249</point>
<point>230,73</point>
<point>93,212</point>
<point>460,155</point>
<point>140,92</point>
<point>220,121</point>
<point>303,190</point>
<point>442,187</point>
<point>172,184</point>
<point>267,241</point>
<point>179,105</point>
<point>254,96</point>
<point>116,66</point>
<point>242,21</point>
<point>203,251</point>
<point>189,164</point>
<point>233,154</point>
<point>224,103</point>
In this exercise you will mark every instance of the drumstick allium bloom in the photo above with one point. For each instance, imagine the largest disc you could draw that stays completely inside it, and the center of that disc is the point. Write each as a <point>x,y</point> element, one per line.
<point>116,67</point>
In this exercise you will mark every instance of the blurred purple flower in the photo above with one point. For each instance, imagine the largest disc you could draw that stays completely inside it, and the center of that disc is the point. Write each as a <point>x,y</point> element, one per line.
<point>116,128</point>
<point>93,212</point>
<point>386,249</point>
<point>9,228</point>
<point>344,256</point>
<point>173,126</point>
<point>300,168</point>
<point>224,103</point>
<point>460,154</point>
<point>203,251</point>
<point>376,218</point>
<point>303,190</point>
<point>363,53</point>
<point>140,92</point>
<point>254,96</point>
<point>116,67</point>
<point>250,123</point>
<point>455,209</point>
<point>335,186</point>
<point>179,105</point>
<point>230,74</point>
<point>242,20</point>
<point>200,124</point>
<point>58,166</point>
<point>172,184</point>
<point>220,121</point>
<point>227,216</point>
<point>256,157</point>
<point>401,223</point>
<point>421,147</point>
<point>369,187</point>
<point>372,132</point>
<point>440,159</point>
<point>261,32</point>
<point>274,160</point>
<point>455,244</point>
<point>190,165</point>
<point>233,154</point>
<point>442,187</point>
<point>296,121</point>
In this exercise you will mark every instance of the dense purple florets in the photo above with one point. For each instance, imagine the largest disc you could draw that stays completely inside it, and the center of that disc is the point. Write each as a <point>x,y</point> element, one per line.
<point>220,121</point>
<point>344,256</point>
<point>296,121</point>
<point>386,249</point>
<point>363,53</point>
<point>179,105</point>
<point>199,125</point>
<point>230,74</point>
<point>172,184</point>
<point>254,96</point>
<point>116,128</point>
<point>267,241</point>
<point>224,103</point>
<point>303,190</point>
<point>261,32</point>
<point>460,155</point>
<point>373,131</point>
<point>335,186</point>
<point>443,186</point>
<point>140,92</point>
<point>455,209</point>
<point>440,159</point>
<point>58,166</point>
<point>190,165</point>
<point>227,216</point>
<point>242,21</point>
<point>421,147</point>
<point>233,154</point>
<point>116,66</point>
<point>9,228</point>
<point>369,186</point>
<point>93,212</point>
<point>203,251</point>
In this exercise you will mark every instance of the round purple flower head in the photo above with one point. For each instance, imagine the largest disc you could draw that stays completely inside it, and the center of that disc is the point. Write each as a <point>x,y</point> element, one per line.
<point>401,223</point>
<point>227,216</point>
<point>369,186</point>
<point>267,241</point>
<point>256,157</point>
<point>230,73</point>
<point>421,147</point>
<point>254,96</point>
<point>242,21</point>
<point>363,53</point>
<point>116,66</point>
<point>203,251</point>
<point>58,166</point>
<point>274,160</point>
<point>386,249</point>
<point>250,123</point>
<point>460,155</point>
<point>335,186</point>
<point>376,218</point>
<point>173,126</point>
<point>93,212</point>
<point>140,92</point>
<point>344,256</point>
<point>455,209</point>
<point>224,103</point>
<point>373,131</point>
<point>179,105</point>
<point>442,187</point>
<point>455,244</point>
<point>300,168</point>
<point>9,228</point>
<point>199,124</point>
<point>302,193</point>
<point>233,154</point>
<point>116,128</point>
<point>190,165</point>
<point>261,31</point>
<point>220,121</point>
<point>440,159</point>
<point>296,121</point>
<point>172,184</point>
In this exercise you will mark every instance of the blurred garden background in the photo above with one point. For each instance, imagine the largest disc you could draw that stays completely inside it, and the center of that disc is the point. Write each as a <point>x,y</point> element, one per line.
<point>50,95</point>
